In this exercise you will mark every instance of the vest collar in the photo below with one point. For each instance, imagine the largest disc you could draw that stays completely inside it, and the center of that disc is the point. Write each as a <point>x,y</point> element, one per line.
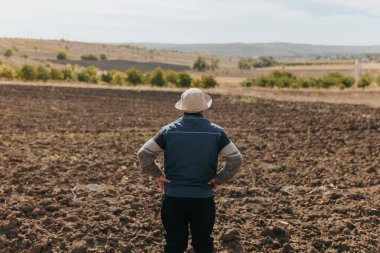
<point>187,115</point>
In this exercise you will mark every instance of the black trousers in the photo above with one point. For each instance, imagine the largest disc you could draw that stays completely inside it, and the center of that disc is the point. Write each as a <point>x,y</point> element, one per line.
<point>178,213</point>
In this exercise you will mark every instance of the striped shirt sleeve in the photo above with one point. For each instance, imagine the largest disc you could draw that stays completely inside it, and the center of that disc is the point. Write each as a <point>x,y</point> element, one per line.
<point>148,154</point>
<point>233,160</point>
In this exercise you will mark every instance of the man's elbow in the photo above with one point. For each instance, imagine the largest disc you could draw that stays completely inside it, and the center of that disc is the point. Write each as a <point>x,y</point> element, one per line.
<point>235,161</point>
<point>240,160</point>
<point>140,152</point>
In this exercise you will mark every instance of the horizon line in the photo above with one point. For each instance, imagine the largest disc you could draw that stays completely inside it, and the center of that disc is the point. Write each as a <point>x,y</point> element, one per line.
<point>193,43</point>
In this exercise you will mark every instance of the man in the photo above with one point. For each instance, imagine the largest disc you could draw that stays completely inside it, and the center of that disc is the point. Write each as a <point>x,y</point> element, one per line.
<point>191,146</point>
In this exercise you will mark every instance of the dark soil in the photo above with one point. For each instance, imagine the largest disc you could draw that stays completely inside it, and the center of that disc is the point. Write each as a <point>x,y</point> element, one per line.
<point>70,181</point>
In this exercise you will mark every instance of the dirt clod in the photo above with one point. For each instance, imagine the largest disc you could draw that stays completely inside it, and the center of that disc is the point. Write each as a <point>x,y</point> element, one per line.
<point>230,235</point>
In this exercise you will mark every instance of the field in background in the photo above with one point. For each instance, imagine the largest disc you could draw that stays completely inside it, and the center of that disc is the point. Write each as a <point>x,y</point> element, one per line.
<point>123,56</point>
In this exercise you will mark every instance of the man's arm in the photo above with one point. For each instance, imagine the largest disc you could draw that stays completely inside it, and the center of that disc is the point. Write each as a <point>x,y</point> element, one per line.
<point>147,156</point>
<point>233,160</point>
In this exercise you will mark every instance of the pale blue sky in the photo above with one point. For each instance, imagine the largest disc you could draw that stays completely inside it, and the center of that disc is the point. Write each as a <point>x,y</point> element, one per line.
<point>339,22</point>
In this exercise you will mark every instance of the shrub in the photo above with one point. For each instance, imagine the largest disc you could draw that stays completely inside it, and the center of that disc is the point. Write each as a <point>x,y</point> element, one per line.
<point>27,72</point>
<point>7,72</point>
<point>62,56</point>
<point>146,77</point>
<point>364,81</point>
<point>103,57</point>
<point>331,79</point>
<point>295,85</point>
<point>43,73</point>
<point>304,83</point>
<point>284,79</point>
<point>281,73</point>
<point>278,78</point>
<point>197,83</point>
<point>200,64</point>
<point>134,76</point>
<point>171,77</point>
<point>244,63</point>
<point>208,82</point>
<point>88,75</point>
<point>69,73</point>
<point>184,80</point>
<point>157,78</point>
<point>118,77</point>
<point>248,82</point>
<point>263,62</point>
<point>347,82</point>
<point>57,74</point>
<point>8,53</point>
<point>89,57</point>
<point>106,77</point>
<point>378,80</point>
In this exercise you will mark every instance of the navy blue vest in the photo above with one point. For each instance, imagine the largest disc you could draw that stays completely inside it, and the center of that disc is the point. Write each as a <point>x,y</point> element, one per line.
<point>191,156</point>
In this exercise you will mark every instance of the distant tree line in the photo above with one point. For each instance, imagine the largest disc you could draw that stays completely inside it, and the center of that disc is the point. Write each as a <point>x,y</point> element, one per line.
<point>246,63</point>
<point>284,79</point>
<point>201,64</point>
<point>62,56</point>
<point>131,76</point>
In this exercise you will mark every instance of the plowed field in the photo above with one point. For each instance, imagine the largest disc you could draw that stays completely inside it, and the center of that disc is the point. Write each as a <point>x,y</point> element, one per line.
<point>70,181</point>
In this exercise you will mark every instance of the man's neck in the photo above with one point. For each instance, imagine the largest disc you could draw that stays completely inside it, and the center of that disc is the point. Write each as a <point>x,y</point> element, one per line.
<point>193,113</point>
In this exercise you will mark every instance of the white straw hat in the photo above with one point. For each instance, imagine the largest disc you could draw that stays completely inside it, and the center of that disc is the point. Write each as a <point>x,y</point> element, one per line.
<point>194,100</point>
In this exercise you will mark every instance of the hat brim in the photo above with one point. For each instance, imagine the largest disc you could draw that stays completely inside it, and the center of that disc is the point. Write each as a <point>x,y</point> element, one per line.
<point>179,106</point>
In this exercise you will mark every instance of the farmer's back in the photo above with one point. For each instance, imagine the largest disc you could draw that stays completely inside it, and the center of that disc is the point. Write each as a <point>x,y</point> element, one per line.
<point>191,147</point>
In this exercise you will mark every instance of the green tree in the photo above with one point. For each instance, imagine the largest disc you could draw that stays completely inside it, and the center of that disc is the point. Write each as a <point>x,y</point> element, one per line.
<point>103,57</point>
<point>8,53</point>
<point>134,76</point>
<point>200,64</point>
<point>330,80</point>
<point>146,78</point>
<point>56,74</point>
<point>264,61</point>
<point>347,82</point>
<point>89,57</point>
<point>27,72</point>
<point>89,75</point>
<point>62,56</point>
<point>7,72</point>
<point>157,78</point>
<point>118,77</point>
<point>171,77</point>
<point>69,73</point>
<point>43,73</point>
<point>208,82</point>
<point>184,80</point>
<point>197,83</point>
<point>364,81</point>
<point>106,77</point>
<point>244,63</point>
<point>248,82</point>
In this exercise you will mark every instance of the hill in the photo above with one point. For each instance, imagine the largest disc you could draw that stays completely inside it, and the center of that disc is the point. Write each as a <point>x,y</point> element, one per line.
<point>34,51</point>
<point>277,49</point>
